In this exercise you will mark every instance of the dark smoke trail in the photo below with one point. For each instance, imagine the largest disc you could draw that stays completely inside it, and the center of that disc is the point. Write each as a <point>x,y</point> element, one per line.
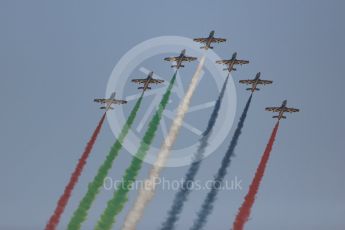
<point>182,195</point>
<point>207,206</point>
<point>244,212</point>
<point>80,214</point>
<point>61,205</point>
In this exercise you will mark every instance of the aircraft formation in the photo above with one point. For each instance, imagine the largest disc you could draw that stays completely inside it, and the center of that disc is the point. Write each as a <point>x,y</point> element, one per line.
<point>230,66</point>
<point>116,204</point>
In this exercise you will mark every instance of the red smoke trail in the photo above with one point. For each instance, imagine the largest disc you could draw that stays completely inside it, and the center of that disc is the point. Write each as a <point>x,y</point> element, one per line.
<point>244,212</point>
<point>55,218</point>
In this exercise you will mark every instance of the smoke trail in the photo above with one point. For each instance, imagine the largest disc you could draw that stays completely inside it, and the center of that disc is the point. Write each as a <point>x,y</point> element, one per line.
<point>117,202</point>
<point>182,194</point>
<point>60,207</point>
<point>244,212</point>
<point>80,215</point>
<point>207,206</point>
<point>146,194</point>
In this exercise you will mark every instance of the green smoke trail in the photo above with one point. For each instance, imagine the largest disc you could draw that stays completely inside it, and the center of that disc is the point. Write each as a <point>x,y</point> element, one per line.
<point>80,215</point>
<point>120,197</point>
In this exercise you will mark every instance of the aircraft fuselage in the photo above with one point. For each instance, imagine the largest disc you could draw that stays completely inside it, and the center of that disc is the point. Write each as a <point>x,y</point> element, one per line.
<point>209,40</point>
<point>282,111</point>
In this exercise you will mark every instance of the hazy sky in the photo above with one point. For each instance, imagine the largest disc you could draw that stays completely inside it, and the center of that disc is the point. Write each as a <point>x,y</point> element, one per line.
<point>56,56</point>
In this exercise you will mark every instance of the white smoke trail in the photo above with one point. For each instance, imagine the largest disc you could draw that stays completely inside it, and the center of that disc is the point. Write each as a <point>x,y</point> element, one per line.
<point>147,192</point>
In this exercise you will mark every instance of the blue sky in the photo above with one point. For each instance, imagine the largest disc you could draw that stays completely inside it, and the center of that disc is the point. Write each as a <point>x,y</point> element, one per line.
<point>56,56</point>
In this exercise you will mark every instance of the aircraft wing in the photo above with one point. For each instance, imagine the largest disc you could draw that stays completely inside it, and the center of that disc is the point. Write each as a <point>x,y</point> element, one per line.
<point>291,110</point>
<point>156,81</point>
<point>186,58</point>
<point>223,61</point>
<point>218,40</point>
<point>139,81</point>
<point>200,40</point>
<point>171,59</point>
<point>236,62</point>
<point>274,109</point>
<point>247,82</point>
<point>264,82</point>
<point>114,101</point>
<point>241,62</point>
<point>98,100</point>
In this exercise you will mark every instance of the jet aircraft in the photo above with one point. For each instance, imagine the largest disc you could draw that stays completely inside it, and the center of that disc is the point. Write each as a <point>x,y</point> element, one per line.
<point>209,40</point>
<point>147,81</point>
<point>109,101</point>
<point>255,82</point>
<point>281,110</point>
<point>232,62</point>
<point>179,59</point>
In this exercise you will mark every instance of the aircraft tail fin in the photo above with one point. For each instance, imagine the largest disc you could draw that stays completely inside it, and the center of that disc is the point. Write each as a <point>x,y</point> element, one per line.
<point>283,117</point>
<point>206,47</point>
<point>253,89</point>
<point>103,107</point>
<point>143,87</point>
<point>175,66</point>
